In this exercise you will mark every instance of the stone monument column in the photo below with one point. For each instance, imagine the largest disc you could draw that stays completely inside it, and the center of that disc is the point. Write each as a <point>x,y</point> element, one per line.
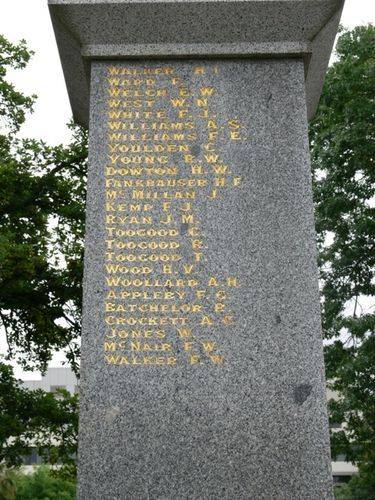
<point>202,367</point>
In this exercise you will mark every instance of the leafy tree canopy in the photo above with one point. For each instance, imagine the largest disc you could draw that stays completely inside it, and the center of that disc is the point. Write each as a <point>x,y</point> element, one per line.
<point>13,104</point>
<point>42,484</point>
<point>36,420</point>
<point>343,147</point>
<point>42,194</point>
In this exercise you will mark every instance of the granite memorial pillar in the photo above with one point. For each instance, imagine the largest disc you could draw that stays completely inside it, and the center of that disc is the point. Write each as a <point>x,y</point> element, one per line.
<point>202,368</point>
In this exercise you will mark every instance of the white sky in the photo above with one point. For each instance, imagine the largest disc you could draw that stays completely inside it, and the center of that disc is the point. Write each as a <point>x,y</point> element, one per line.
<point>29,19</point>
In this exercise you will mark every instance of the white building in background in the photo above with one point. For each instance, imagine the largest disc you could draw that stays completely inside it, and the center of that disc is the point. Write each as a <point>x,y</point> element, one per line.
<point>341,469</point>
<point>64,378</point>
<point>54,379</point>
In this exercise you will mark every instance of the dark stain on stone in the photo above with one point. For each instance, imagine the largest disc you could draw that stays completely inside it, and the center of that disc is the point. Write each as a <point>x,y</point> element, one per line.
<point>195,149</point>
<point>301,393</point>
<point>184,228</point>
<point>278,319</point>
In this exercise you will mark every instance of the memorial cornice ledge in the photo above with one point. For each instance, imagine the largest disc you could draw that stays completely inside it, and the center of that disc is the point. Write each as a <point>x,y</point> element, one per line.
<point>89,30</point>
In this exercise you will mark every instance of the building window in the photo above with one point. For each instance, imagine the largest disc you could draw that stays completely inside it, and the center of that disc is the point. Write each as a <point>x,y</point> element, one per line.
<point>335,425</point>
<point>33,458</point>
<point>337,480</point>
<point>341,457</point>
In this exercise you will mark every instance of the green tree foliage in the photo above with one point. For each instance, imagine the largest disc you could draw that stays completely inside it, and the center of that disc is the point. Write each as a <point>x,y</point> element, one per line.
<point>42,192</point>
<point>42,484</point>
<point>13,104</point>
<point>343,147</point>
<point>36,420</point>
<point>42,195</point>
<point>360,487</point>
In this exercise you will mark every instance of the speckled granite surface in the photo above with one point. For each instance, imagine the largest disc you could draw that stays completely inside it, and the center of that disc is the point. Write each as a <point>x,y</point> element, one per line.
<point>88,30</point>
<point>253,426</point>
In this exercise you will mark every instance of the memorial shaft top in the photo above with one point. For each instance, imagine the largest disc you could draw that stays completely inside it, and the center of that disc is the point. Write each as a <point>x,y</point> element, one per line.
<point>105,29</point>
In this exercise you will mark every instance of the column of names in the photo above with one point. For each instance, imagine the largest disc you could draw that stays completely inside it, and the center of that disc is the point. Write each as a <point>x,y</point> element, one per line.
<point>164,159</point>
